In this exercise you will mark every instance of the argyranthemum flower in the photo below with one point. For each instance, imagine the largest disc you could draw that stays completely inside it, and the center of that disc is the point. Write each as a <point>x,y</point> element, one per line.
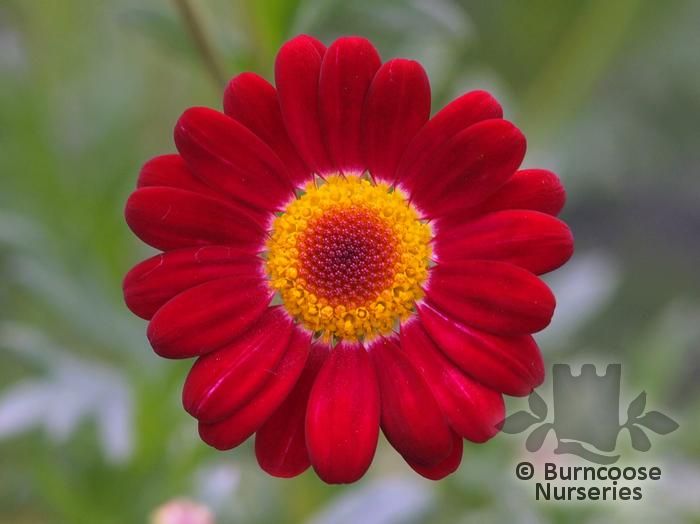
<point>339,262</point>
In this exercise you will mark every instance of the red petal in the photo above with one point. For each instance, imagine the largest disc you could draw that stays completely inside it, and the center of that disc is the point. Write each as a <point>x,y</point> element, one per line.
<point>529,239</point>
<point>410,418</point>
<point>534,189</point>
<point>511,365</point>
<point>346,73</point>
<point>473,410</point>
<point>342,421</point>
<point>494,296</point>
<point>469,168</point>
<point>156,280</point>
<point>297,70</point>
<point>318,45</point>
<point>207,317</point>
<point>236,429</point>
<point>280,444</point>
<point>447,466</point>
<point>459,114</point>
<point>397,106</point>
<point>222,382</point>
<point>171,171</point>
<point>169,218</point>
<point>253,101</point>
<point>226,155</point>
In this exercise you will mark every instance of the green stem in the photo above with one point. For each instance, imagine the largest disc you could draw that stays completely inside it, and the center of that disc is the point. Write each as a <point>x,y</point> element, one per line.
<point>198,34</point>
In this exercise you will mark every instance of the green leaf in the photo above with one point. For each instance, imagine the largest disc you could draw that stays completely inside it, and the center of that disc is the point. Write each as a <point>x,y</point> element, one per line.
<point>658,422</point>
<point>536,438</point>
<point>636,407</point>
<point>518,422</point>
<point>537,405</point>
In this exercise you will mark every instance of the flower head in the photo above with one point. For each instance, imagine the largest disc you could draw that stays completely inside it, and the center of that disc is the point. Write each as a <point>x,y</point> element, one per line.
<point>349,257</point>
<point>340,262</point>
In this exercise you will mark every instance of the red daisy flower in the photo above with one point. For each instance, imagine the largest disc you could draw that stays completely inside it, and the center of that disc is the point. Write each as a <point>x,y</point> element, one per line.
<point>339,262</point>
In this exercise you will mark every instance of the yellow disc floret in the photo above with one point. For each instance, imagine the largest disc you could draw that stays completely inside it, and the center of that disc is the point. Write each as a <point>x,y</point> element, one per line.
<point>348,258</point>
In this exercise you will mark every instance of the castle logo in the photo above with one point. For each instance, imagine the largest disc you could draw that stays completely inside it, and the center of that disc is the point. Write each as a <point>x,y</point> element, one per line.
<point>586,418</point>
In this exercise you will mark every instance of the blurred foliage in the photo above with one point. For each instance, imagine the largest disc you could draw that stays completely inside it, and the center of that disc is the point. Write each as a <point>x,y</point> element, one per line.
<point>608,95</point>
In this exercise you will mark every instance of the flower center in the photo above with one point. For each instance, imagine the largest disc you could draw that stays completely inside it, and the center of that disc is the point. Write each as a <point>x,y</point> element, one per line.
<point>348,258</point>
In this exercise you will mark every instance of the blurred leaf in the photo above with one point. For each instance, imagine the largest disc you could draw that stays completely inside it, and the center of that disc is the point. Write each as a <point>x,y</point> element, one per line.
<point>82,304</point>
<point>574,65</point>
<point>160,26</point>
<point>22,407</point>
<point>16,232</point>
<point>72,390</point>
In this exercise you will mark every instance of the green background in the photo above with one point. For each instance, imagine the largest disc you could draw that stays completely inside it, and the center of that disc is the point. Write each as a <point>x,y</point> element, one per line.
<point>91,428</point>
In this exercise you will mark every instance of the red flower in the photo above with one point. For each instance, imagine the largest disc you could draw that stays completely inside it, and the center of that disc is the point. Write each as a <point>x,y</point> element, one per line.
<point>403,252</point>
